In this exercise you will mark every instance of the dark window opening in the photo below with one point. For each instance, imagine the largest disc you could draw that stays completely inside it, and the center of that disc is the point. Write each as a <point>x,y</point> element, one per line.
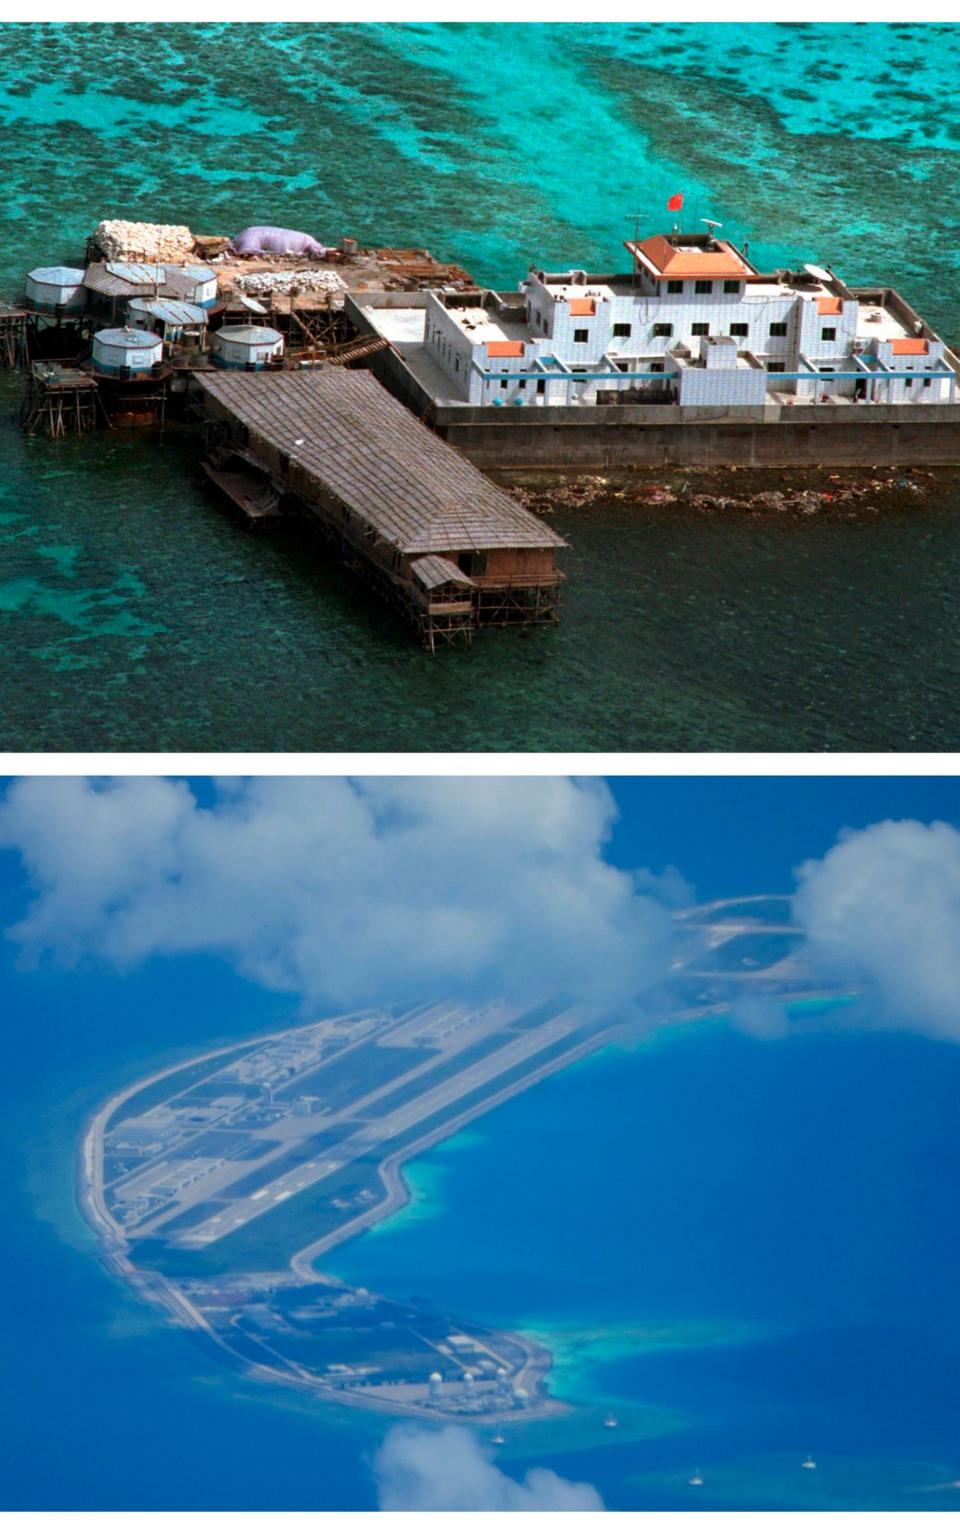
<point>656,367</point>
<point>739,329</point>
<point>703,285</point>
<point>541,386</point>
<point>663,328</point>
<point>731,285</point>
<point>778,328</point>
<point>581,335</point>
<point>776,367</point>
<point>674,285</point>
<point>622,328</point>
<point>829,333</point>
<point>700,328</point>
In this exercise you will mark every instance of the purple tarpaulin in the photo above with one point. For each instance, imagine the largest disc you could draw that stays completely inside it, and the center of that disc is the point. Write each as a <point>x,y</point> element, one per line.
<point>270,240</point>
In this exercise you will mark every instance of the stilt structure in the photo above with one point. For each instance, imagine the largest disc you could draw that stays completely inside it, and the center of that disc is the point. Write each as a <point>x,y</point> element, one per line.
<point>411,516</point>
<point>61,402</point>
<point>14,351</point>
<point>314,332</point>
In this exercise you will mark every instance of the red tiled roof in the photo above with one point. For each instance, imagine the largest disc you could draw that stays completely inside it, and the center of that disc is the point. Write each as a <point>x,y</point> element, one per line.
<point>583,306</point>
<point>504,348</point>
<point>829,306</point>
<point>693,262</point>
<point>910,346</point>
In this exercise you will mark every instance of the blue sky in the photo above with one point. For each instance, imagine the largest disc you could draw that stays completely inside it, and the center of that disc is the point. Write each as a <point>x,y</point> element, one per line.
<point>732,836</point>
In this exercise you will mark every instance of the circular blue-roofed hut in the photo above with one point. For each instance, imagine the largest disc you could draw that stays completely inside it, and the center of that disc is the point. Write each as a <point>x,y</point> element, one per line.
<point>52,288</point>
<point>246,346</point>
<point>127,353</point>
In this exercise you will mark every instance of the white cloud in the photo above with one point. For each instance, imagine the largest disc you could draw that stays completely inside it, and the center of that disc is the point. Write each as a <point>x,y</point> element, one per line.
<point>764,1017</point>
<point>447,1469</point>
<point>883,907</point>
<point>347,890</point>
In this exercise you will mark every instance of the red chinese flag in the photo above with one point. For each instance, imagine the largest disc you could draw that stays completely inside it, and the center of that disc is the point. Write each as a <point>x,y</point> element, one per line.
<point>675,203</point>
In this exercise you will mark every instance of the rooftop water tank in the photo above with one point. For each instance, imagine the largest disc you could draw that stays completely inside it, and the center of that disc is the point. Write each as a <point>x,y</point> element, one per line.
<point>245,346</point>
<point>56,288</point>
<point>127,353</point>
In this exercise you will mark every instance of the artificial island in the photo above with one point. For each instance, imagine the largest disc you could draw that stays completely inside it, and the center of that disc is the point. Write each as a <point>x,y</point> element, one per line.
<point>219,1187</point>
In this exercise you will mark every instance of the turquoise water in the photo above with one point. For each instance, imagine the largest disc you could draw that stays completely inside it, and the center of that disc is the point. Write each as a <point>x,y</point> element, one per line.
<point>763,1265</point>
<point>157,624</point>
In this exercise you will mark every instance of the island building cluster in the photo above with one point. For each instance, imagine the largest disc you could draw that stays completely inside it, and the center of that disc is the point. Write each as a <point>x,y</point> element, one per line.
<point>217,1186</point>
<point>366,390</point>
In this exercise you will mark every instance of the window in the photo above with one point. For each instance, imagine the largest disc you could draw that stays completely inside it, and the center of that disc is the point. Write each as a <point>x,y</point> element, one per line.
<point>581,335</point>
<point>703,285</point>
<point>456,365</point>
<point>778,327</point>
<point>739,328</point>
<point>731,285</point>
<point>504,383</point>
<point>662,328</point>
<point>927,383</point>
<point>541,386</point>
<point>622,328</point>
<point>656,367</point>
<point>829,333</point>
<point>699,328</point>
<point>776,367</point>
<point>826,370</point>
<point>908,383</point>
<point>674,285</point>
<point>522,384</point>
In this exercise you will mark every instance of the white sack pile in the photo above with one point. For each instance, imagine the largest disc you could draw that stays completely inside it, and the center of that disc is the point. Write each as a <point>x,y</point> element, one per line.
<point>121,240</point>
<point>309,280</point>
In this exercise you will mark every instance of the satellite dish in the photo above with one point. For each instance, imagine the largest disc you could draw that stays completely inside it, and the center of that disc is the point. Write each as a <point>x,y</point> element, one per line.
<point>820,273</point>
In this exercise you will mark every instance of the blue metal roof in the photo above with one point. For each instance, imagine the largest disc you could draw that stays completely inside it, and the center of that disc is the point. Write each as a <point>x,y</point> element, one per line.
<point>129,336</point>
<point>261,335</point>
<point>202,274</point>
<point>62,277</point>
<point>136,271</point>
<point>170,311</point>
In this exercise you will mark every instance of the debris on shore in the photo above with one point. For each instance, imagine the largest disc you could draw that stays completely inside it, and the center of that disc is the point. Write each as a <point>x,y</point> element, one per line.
<point>684,489</point>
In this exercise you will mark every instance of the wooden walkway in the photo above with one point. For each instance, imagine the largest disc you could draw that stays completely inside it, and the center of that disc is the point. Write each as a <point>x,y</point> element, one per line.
<point>341,432</point>
<point>390,492</point>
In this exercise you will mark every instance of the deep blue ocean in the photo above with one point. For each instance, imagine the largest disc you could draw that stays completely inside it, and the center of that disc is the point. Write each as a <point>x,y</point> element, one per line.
<point>745,1249</point>
<point>135,615</point>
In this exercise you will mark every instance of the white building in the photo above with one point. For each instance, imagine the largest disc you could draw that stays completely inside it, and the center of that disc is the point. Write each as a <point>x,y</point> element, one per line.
<point>693,324</point>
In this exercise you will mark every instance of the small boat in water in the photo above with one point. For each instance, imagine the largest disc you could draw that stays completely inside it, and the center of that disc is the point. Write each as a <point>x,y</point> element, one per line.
<point>499,1438</point>
<point>244,481</point>
<point>809,1465</point>
<point>696,1480</point>
<point>611,1421</point>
